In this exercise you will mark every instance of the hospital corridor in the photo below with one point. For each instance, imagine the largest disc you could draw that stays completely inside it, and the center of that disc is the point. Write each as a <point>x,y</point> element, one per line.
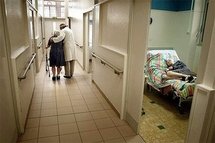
<point>73,111</point>
<point>107,71</point>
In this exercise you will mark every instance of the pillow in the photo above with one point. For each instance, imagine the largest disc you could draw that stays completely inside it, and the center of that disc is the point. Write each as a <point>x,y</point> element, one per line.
<point>167,54</point>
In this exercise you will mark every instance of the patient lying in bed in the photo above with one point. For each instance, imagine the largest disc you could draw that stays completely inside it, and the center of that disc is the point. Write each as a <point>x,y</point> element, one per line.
<point>177,70</point>
<point>160,70</point>
<point>160,75</point>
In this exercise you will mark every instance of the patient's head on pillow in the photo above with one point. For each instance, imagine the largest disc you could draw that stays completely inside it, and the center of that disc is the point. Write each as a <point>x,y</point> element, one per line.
<point>169,62</point>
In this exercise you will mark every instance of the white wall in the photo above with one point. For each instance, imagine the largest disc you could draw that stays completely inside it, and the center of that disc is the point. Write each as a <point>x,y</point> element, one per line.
<point>77,18</point>
<point>50,26</point>
<point>202,120</point>
<point>138,41</point>
<point>178,30</point>
<point>170,29</point>
<point>195,48</point>
<point>77,25</point>
<point>20,49</point>
<point>16,13</point>
<point>110,43</point>
<point>7,118</point>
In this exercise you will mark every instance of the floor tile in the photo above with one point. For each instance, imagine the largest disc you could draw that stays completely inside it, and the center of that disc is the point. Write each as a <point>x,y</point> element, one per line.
<point>68,128</point>
<point>70,138</point>
<point>111,113</point>
<point>99,114</point>
<point>49,105</point>
<point>104,123</point>
<point>86,126</point>
<point>80,109</point>
<point>95,107</point>
<point>73,111</point>
<point>51,99</point>
<point>64,110</point>
<point>91,137</point>
<point>36,106</point>
<point>54,139</point>
<point>48,112</point>
<point>118,122</point>
<point>48,131</point>
<point>83,116</point>
<point>31,133</point>
<point>29,141</point>
<point>78,102</point>
<point>33,123</point>
<point>126,131</point>
<point>120,140</point>
<point>64,119</point>
<point>76,97</point>
<point>64,104</point>
<point>110,133</point>
<point>47,121</point>
<point>134,139</point>
<point>92,101</point>
<point>34,114</point>
<point>74,92</point>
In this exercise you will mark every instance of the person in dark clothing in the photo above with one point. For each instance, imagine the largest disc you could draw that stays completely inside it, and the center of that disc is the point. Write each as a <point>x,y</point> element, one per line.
<point>179,68</point>
<point>56,56</point>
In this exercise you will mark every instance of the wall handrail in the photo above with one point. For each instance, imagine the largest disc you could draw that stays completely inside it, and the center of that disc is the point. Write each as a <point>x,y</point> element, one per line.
<point>23,76</point>
<point>104,62</point>
<point>40,45</point>
<point>78,45</point>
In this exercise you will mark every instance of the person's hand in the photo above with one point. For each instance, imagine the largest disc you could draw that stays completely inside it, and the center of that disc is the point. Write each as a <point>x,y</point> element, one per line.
<point>170,68</point>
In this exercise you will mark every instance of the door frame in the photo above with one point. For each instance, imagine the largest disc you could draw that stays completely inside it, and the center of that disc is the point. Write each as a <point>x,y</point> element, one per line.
<point>85,39</point>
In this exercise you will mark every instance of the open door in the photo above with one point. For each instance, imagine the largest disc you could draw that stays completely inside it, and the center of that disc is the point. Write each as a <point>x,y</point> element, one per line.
<point>88,34</point>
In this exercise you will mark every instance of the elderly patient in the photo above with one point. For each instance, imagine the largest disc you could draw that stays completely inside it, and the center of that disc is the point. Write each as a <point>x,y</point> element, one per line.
<point>177,70</point>
<point>56,55</point>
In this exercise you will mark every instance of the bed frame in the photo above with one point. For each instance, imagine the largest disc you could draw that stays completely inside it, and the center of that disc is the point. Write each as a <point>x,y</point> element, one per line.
<point>165,90</point>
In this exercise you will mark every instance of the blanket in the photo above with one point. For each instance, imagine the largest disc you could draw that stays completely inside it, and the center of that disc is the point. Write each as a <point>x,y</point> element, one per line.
<point>155,69</point>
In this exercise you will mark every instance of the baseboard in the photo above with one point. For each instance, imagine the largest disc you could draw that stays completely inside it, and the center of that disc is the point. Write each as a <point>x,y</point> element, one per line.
<point>106,99</point>
<point>133,124</point>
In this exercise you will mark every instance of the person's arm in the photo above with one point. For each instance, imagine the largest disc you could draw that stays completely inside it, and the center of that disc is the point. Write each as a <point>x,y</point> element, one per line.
<point>59,38</point>
<point>49,43</point>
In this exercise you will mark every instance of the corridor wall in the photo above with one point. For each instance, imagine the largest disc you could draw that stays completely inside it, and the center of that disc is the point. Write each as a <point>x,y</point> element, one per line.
<point>20,52</point>
<point>76,14</point>
<point>110,43</point>
<point>7,118</point>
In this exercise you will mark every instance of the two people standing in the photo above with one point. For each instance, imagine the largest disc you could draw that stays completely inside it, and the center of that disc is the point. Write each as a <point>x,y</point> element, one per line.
<point>69,46</point>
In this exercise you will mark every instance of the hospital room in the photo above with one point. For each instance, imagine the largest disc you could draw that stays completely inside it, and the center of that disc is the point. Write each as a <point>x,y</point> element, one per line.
<point>175,35</point>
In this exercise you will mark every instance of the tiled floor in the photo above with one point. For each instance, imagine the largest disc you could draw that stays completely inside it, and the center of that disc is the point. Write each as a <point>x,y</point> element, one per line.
<point>162,122</point>
<point>73,111</point>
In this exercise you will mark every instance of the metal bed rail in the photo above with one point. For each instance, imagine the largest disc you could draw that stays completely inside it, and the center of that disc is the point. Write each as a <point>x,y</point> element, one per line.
<point>104,62</point>
<point>23,75</point>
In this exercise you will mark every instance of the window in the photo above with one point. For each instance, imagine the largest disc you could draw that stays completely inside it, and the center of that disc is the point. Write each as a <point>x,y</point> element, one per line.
<point>203,22</point>
<point>54,8</point>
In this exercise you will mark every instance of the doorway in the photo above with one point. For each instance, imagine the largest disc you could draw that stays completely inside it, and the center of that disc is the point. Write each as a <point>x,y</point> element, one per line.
<point>178,27</point>
<point>88,41</point>
<point>32,34</point>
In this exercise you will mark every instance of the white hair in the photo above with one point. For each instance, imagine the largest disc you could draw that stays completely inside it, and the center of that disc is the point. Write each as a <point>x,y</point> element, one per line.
<point>56,33</point>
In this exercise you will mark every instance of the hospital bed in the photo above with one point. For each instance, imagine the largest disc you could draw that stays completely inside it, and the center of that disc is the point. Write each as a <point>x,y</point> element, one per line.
<point>154,69</point>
